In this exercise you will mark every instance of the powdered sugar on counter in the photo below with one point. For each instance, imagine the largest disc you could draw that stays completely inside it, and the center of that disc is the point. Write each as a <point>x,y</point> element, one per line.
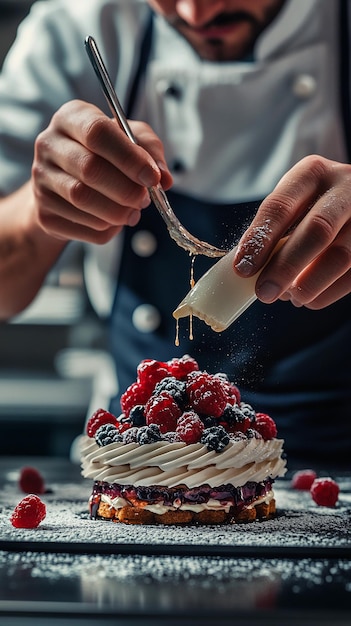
<point>300,522</point>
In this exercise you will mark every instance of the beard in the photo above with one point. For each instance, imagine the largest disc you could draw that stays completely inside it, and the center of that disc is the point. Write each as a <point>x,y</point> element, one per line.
<point>235,45</point>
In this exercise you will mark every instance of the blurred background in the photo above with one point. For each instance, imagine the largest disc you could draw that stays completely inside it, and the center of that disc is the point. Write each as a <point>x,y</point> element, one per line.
<point>53,355</point>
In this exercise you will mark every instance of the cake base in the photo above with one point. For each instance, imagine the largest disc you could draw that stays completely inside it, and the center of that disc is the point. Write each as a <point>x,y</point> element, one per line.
<point>203,505</point>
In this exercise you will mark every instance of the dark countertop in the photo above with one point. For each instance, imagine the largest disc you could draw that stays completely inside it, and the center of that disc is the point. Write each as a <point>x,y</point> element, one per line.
<point>293,569</point>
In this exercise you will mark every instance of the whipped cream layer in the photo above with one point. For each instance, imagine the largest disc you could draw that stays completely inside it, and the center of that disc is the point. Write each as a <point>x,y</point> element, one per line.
<point>171,464</point>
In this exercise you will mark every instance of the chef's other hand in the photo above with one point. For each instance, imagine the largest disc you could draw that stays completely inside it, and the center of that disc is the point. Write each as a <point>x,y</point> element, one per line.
<point>89,180</point>
<point>312,202</point>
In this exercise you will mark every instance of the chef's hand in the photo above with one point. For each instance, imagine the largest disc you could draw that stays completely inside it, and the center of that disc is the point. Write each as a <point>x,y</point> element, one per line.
<point>313,267</point>
<point>89,180</point>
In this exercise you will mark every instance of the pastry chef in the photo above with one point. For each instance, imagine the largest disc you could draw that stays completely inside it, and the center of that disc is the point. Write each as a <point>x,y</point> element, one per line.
<point>225,97</point>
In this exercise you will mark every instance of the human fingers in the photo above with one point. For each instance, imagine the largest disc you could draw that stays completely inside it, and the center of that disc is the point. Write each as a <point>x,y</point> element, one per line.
<point>55,218</point>
<point>327,277</point>
<point>314,199</point>
<point>102,136</point>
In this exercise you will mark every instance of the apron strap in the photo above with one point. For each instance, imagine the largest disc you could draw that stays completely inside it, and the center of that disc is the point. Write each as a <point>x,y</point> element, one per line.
<point>141,69</point>
<point>345,71</point>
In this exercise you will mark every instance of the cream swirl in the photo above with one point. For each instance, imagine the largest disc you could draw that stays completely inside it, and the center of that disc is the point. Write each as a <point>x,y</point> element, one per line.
<point>171,464</point>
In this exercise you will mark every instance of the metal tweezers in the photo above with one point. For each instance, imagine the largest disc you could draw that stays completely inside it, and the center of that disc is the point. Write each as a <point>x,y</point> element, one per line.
<point>176,230</point>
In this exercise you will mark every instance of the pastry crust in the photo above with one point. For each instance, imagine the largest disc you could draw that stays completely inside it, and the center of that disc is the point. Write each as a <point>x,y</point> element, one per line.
<point>140,515</point>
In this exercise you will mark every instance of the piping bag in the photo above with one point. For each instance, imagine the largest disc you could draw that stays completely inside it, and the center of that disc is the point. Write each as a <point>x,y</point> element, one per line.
<point>220,296</point>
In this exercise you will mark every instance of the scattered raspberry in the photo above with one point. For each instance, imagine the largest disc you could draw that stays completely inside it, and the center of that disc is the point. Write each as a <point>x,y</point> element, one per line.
<point>180,368</point>
<point>134,394</point>
<point>28,513</point>
<point>303,479</point>
<point>265,425</point>
<point>106,434</point>
<point>163,411</point>
<point>190,427</point>
<point>149,434</point>
<point>99,418</point>
<point>150,372</point>
<point>215,438</point>
<point>206,394</point>
<point>325,491</point>
<point>31,481</point>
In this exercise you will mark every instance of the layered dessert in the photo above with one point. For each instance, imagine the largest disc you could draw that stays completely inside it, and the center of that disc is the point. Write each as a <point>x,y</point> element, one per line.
<point>185,449</point>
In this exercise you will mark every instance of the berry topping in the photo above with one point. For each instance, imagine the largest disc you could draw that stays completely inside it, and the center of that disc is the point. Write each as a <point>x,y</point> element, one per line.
<point>162,410</point>
<point>28,513</point>
<point>303,479</point>
<point>99,418</point>
<point>130,435</point>
<point>31,481</point>
<point>180,368</point>
<point>174,387</point>
<point>177,402</point>
<point>265,426</point>
<point>150,372</point>
<point>134,394</point>
<point>215,438</point>
<point>106,434</point>
<point>149,434</point>
<point>325,491</point>
<point>190,427</point>
<point>234,419</point>
<point>137,415</point>
<point>206,394</point>
<point>248,410</point>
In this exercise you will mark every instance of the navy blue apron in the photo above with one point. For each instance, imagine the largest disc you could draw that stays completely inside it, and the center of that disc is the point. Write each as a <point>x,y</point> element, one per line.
<point>289,362</point>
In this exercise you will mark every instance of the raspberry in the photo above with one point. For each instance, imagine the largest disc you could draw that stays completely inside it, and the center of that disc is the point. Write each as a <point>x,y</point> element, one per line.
<point>231,390</point>
<point>174,387</point>
<point>150,372</point>
<point>134,394</point>
<point>149,434</point>
<point>28,513</point>
<point>106,434</point>
<point>163,411</point>
<point>190,427</point>
<point>206,394</point>
<point>180,368</point>
<point>303,479</point>
<point>325,491</point>
<point>265,425</point>
<point>99,418</point>
<point>31,481</point>
<point>215,438</point>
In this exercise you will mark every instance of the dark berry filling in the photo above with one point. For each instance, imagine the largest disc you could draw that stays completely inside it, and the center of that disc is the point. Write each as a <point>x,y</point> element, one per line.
<point>237,497</point>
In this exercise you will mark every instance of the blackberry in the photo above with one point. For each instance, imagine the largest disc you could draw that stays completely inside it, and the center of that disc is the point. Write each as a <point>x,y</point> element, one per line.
<point>149,434</point>
<point>233,415</point>
<point>130,435</point>
<point>248,411</point>
<point>215,438</point>
<point>208,421</point>
<point>137,415</point>
<point>106,434</point>
<point>251,433</point>
<point>175,388</point>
